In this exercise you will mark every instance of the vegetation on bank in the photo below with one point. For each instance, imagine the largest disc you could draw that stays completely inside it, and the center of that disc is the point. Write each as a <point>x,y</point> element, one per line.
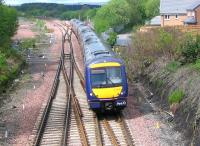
<point>181,48</point>
<point>176,96</point>
<point>168,61</point>
<point>10,60</point>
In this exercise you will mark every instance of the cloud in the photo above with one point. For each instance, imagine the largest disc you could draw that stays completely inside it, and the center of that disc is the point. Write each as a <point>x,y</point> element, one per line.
<point>18,2</point>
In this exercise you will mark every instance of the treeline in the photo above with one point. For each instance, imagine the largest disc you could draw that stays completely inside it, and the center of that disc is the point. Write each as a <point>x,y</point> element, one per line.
<point>10,61</point>
<point>53,10</point>
<point>8,25</point>
<point>117,14</point>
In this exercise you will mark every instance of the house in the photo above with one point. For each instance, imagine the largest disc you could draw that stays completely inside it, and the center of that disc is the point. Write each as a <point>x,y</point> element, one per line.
<point>180,12</point>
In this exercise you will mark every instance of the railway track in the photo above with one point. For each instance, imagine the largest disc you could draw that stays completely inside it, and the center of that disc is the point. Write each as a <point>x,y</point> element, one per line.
<point>50,131</point>
<point>67,119</point>
<point>104,130</point>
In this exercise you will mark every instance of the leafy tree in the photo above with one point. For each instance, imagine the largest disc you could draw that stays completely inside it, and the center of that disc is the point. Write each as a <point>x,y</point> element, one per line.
<point>137,11</point>
<point>90,13</point>
<point>152,8</point>
<point>8,25</point>
<point>115,13</point>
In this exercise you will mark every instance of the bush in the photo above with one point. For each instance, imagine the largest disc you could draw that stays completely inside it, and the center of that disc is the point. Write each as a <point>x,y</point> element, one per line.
<point>149,45</point>
<point>3,63</point>
<point>196,65</point>
<point>27,43</point>
<point>173,66</point>
<point>191,49</point>
<point>176,96</point>
<point>112,38</point>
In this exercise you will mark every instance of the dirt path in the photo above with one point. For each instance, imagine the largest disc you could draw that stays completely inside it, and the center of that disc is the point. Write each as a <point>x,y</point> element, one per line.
<point>21,109</point>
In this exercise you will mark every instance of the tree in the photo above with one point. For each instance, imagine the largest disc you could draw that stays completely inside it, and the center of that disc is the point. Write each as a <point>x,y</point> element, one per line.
<point>115,13</point>
<point>8,25</point>
<point>137,12</point>
<point>152,8</point>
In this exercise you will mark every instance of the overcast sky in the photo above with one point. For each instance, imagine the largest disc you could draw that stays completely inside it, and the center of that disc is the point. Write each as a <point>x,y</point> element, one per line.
<point>18,2</point>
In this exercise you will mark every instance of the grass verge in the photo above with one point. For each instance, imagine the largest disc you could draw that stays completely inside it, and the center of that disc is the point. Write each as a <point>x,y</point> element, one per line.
<point>176,96</point>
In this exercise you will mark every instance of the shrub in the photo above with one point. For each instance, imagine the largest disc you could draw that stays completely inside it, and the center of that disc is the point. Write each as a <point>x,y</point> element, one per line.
<point>27,43</point>
<point>3,63</point>
<point>191,49</point>
<point>176,96</point>
<point>173,66</point>
<point>112,38</point>
<point>196,65</point>
<point>159,83</point>
<point>150,44</point>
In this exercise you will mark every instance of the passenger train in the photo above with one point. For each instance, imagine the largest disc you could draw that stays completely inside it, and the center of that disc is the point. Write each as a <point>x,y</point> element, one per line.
<point>105,75</point>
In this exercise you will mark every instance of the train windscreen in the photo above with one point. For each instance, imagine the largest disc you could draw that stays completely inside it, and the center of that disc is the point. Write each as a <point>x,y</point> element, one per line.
<point>106,77</point>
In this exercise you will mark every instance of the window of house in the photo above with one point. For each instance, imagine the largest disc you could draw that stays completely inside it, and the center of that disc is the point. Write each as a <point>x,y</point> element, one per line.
<point>167,17</point>
<point>176,16</point>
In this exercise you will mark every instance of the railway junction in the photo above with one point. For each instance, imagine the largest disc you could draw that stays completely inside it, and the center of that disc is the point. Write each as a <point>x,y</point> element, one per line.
<point>64,117</point>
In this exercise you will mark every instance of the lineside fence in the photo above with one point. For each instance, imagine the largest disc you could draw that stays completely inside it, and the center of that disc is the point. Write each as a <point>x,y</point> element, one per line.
<point>193,29</point>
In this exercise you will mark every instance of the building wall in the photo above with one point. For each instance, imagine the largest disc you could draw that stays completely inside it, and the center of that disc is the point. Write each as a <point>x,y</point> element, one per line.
<point>197,13</point>
<point>173,21</point>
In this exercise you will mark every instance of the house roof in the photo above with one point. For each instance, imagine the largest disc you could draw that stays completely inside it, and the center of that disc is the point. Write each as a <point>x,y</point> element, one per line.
<point>194,5</point>
<point>177,6</point>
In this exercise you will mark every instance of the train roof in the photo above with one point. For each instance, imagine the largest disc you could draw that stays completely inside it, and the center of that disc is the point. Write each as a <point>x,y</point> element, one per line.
<point>94,49</point>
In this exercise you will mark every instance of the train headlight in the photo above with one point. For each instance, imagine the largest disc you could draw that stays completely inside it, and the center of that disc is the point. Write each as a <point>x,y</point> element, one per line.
<point>91,94</point>
<point>122,93</point>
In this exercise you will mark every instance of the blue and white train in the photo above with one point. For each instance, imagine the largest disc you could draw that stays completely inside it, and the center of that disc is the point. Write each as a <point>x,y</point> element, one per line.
<point>105,74</point>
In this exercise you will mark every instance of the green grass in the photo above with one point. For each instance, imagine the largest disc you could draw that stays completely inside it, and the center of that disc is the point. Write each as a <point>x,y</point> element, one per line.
<point>159,83</point>
<point>173,66</point>
<point>176,96</point>
<point>196,65</point>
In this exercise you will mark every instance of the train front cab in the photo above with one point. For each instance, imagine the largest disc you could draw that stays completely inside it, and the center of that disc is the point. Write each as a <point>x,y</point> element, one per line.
<point>106,86</point>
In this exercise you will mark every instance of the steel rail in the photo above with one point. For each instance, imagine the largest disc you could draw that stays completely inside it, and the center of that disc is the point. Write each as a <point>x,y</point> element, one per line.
<point>126,132</point>
<point>98,132</point>
<point>48,107</point>
<point>76,106</point>
<point>82,81</point>
<point>110,132</point>
<point>71,93</point>
<point>68,109</point>
<point>68,88</point>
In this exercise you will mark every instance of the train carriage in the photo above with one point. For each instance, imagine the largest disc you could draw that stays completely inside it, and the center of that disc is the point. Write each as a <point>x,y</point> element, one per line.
<point>105,75</point>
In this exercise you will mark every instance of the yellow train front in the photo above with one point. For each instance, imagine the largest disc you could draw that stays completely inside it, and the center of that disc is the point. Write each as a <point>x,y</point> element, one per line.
<point>106,84</point>
<point>105,75</point>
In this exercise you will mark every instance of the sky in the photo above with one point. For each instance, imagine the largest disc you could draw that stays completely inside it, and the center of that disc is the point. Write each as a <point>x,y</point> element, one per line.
<point>18,2</point>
